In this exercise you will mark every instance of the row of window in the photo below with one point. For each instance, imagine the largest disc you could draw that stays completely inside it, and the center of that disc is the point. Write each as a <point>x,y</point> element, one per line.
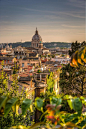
<point>27,64</point>
<point>35,45</point>
<point>6,67</point>
<point>7,61</point>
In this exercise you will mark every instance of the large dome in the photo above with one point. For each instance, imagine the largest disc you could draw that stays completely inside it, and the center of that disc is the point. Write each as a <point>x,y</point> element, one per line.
<point>37,37</point>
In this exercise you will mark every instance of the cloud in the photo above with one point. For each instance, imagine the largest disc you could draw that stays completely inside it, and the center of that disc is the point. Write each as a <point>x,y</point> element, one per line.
<point>10,29</point>
<point>7,22</point>
<point>72,26</point>
<point>74,14</point>
<point>37,10</point>
<point>77,3</point>
<point>77,14</point>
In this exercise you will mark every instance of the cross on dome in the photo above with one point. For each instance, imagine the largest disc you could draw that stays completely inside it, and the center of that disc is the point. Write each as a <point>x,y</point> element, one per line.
<point>36,31</point>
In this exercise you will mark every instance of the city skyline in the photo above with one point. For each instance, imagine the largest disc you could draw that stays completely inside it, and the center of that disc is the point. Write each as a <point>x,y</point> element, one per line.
<point>56,20</point>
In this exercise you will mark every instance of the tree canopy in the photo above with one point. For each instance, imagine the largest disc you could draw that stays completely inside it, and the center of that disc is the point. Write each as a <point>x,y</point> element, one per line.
<point>75,46</point>
<point>73,75</point>
<point>73,80</point>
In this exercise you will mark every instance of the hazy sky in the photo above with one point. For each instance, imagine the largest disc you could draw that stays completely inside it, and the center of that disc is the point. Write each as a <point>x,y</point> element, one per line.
<point>56,20</point>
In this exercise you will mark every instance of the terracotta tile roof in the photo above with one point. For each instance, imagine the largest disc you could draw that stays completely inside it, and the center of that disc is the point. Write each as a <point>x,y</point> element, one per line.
<point>6,58</point>
<point>30,48</point>
<point>45,49</point>
<point>25,78</point>
<point>59,66</point>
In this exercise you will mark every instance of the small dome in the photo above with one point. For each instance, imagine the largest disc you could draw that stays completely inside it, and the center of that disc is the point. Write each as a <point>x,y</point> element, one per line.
<point>37,37</point>
<point>7,46</point>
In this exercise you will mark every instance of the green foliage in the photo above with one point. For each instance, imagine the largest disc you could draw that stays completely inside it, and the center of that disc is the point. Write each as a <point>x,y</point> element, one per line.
<point>14,120</point>
<point>47,45</point>
<point>14,90</point>
<point>82,123</point>
<point>83,100</point>
<point>77,105</point>
<point>25,105</point>
<point>73,116</point>
<point>50,82</point>
<point>10,101</point>
<point>74,119</point>
<point>73,80</point>
<point>39,104</point>
<point>77,118</point>
<point>75,46</point>
<point>8,113</point>
<point>53,56</point>
<point>3,100</point>
<point>79,57</point>
<point>38,71</point>
<point>55,100</point>
<point>9,105</point>
<point>62,55</point>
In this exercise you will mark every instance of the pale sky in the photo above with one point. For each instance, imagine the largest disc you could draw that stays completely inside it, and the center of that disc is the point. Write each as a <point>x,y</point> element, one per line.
<point>56,20</point>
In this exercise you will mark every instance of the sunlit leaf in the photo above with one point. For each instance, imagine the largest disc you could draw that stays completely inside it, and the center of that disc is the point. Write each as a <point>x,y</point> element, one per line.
<point>15,108</point>
<point>70,101</point>
<point>3,101</point>
<point>39,103</point>
<point>9,105</point>
<point>56,101</point>
<point>82,123</point>
<point>36,125</point>
<point>18,127</point>
<point>70,124</point>
<point>70,117</point>
<point>75,120</point>
<point>25,105</point>
<point>79,57</point>
<point>77,105</point>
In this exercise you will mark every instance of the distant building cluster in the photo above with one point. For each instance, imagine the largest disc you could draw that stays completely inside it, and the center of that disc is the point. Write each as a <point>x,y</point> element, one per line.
<point>33,65</point>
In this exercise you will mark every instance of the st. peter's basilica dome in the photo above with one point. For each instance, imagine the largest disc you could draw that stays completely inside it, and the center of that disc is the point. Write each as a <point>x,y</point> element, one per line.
<point>36,39</point>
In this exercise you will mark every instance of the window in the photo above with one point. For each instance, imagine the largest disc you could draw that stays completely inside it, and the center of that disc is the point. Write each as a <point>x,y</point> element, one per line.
<point>18,57</point>
<point>6,61</point>
<point>22,64</point>
<point>28,64</point>
<point>22,57</point>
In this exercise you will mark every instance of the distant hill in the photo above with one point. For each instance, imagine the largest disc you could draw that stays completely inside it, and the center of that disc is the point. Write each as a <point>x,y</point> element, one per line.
<point>57,44</point>
<point>47,44</point>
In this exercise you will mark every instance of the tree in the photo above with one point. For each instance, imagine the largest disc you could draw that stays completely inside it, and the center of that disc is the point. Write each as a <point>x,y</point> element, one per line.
<point>14,89</point>
<point>75,46</point>
<point>73,80</point>
<point>50,82</point>
<point>79,57</point>
<point>73,76</point>
<point>53,55</point>
<point>10,101</point>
